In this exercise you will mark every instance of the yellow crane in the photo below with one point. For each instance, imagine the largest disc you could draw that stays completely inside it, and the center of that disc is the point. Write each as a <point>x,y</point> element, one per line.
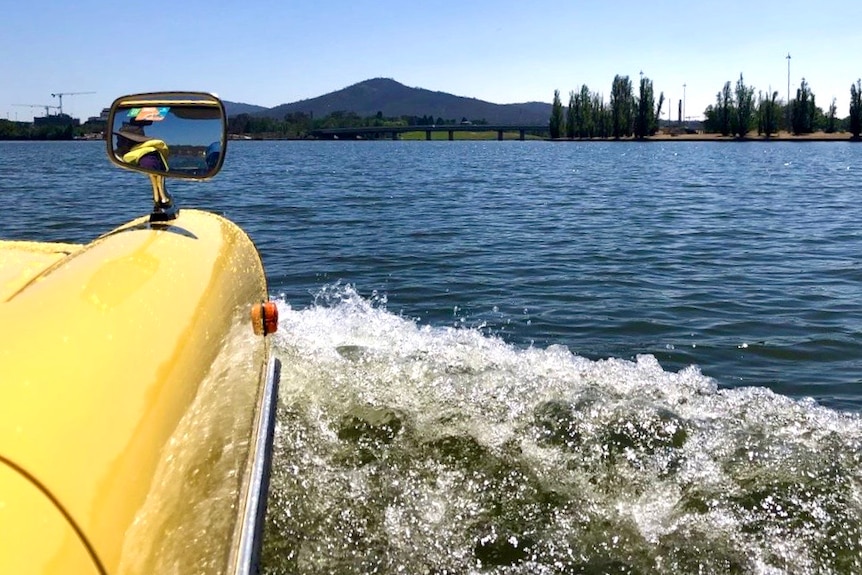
<point>61,94</point>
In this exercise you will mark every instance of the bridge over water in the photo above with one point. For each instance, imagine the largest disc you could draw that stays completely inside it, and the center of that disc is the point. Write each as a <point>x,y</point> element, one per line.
<point>377,132</point>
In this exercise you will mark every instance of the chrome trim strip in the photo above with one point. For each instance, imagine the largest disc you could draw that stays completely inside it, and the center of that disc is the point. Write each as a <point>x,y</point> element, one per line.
<point>251,537</point>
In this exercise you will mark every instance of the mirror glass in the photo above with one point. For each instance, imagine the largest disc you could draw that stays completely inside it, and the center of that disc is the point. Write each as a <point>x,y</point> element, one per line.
<point>176,134</point>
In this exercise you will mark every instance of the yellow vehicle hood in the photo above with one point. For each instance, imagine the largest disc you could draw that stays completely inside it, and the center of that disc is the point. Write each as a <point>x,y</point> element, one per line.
<point>37,536</point>
<point>128,372</point>
<point>20,262</point>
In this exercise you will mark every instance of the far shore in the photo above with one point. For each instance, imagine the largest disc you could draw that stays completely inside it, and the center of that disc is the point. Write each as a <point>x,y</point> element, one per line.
<point>662,136</point>
<point>779,137</point>
<point>782,136</point>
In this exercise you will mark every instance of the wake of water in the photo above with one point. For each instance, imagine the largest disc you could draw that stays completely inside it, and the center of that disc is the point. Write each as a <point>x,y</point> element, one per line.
<point>413,449</point>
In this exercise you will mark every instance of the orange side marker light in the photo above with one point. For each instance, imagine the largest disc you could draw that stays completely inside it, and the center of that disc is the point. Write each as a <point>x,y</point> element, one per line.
<point>264,318</point>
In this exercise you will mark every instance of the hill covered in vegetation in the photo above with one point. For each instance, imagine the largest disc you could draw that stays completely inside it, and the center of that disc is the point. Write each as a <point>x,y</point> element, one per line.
<point>385,97</point>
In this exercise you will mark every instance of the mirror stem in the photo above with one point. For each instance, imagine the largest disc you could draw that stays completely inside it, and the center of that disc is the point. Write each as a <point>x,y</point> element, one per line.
<point>163,205</point>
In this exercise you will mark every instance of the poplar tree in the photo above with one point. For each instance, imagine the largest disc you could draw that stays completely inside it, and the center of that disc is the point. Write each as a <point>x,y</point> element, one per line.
<point>802,110</point>
<point>831,119</point>
<point>724,102</point>
<point>645,110</point>
<point>768,113</point>
<point>622,107</point>
<point>587,122</point>
<point>601,120</point>
<point>657,115</point>
<point>744,107</point>
<point>856,109</point>
<point>557,123</point>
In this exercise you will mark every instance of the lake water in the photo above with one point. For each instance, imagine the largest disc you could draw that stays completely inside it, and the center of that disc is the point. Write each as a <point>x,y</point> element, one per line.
<point>528,357</point>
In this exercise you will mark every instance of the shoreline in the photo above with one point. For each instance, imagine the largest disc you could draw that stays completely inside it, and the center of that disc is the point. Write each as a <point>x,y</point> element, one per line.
<point>665,135</point>
<point>779,137</point>
<point>660,137</point>
<point>704,137</point>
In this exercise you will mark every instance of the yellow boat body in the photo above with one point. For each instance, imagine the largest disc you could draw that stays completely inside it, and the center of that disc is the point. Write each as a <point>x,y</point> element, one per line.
<point>130,386</point>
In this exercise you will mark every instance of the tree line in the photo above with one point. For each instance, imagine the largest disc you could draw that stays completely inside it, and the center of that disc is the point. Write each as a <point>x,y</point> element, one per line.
<point>736,112</point>
<point>10,130</point>
<point>588,116</point>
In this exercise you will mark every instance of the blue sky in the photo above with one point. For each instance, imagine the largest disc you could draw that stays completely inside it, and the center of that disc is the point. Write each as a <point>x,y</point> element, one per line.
<point>504,51</point>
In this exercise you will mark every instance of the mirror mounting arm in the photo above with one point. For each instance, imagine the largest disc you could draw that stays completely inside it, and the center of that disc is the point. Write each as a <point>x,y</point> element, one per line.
<point>164,208</point>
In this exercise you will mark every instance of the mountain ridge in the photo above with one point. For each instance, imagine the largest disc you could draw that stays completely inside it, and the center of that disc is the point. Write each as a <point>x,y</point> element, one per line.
<point>393,99</point>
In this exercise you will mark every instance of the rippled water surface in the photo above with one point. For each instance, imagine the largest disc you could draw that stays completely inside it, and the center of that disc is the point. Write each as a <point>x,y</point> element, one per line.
<point>524,357</point>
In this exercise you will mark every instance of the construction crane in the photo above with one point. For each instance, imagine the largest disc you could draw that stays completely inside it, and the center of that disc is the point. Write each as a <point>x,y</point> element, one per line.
<point>61,94</point>
<point>47,107</point>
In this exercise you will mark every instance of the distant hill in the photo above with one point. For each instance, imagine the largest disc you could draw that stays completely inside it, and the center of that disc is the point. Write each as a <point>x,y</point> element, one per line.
<point>393,99</point>
<point>236,108</point>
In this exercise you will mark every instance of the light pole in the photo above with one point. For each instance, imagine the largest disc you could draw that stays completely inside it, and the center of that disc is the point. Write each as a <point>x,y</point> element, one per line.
<point>684,117</point>
<point>788,91</point>
<point>788,78</point>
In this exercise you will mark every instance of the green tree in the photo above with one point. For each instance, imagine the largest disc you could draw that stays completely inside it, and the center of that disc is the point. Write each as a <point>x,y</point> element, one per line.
<point>768,114</point>
<point>657,115</point>
<point>832,118</point>
<point>644,118</point>
<point>299,124</point>
<point>717,117</point>
<point>710,119</point>
<point>13,130</point>
<point>238,124</point>
<point>724,110</point>
<point>586,128</point>
<point>571,114</point>
<point>622,107</point>
<point>744,107</point>
<point>557,124</point>
<point>601,117</point>
<point>856,109</point>
<point>802,110</point>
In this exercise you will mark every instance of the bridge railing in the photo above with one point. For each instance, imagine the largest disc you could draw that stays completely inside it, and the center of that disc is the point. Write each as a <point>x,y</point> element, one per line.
<point>394,131</point>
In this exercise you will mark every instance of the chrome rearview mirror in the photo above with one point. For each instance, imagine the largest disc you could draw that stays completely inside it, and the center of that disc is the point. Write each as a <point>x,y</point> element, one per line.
<point>167,135</point>
<point>171,134</point>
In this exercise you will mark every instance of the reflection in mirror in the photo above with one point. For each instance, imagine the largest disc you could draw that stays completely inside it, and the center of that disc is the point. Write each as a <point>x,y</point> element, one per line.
<point>174,134</point>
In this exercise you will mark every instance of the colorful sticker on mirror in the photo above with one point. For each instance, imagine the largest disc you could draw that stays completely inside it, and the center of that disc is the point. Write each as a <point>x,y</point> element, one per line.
<point>152,114</point>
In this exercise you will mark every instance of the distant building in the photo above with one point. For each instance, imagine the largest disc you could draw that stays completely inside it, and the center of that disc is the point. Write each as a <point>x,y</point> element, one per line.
<point>61,120</point>
<point>103,117</point>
